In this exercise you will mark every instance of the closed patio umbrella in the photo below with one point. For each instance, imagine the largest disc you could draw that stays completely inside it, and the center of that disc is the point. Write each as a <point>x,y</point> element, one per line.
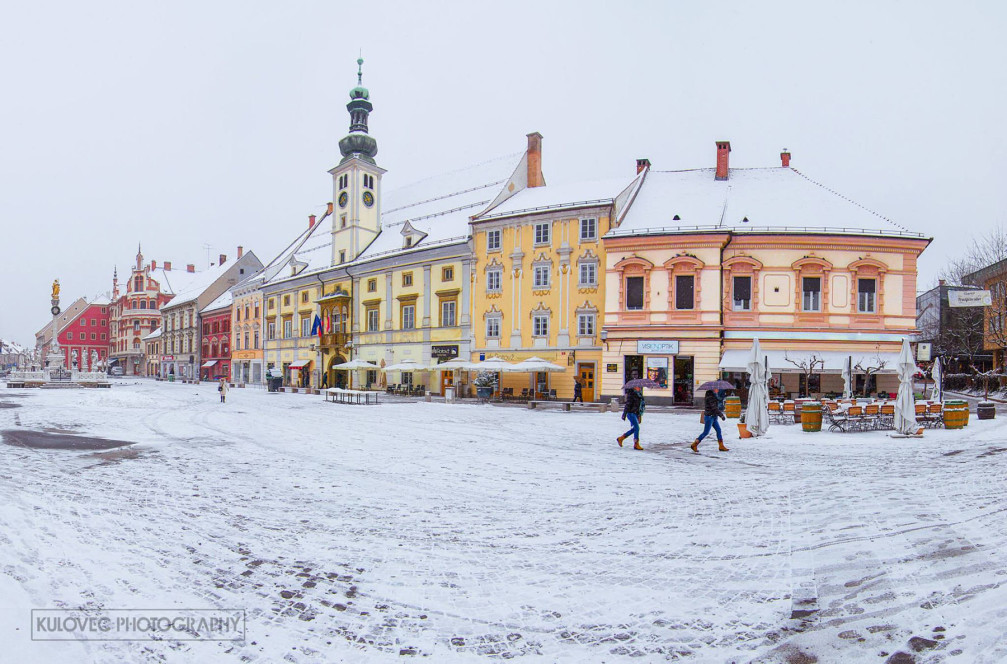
<point>757,414</point>
<point>848,377</point>
<point>936,393</point>
<point>905,404</point>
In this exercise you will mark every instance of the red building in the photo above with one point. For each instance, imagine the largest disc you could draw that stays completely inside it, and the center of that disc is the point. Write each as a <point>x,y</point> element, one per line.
<point>216,339</point>
<point>85,334</point>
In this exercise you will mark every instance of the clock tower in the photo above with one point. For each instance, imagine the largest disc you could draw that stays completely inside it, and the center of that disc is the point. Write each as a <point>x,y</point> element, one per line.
<point>356,182</point>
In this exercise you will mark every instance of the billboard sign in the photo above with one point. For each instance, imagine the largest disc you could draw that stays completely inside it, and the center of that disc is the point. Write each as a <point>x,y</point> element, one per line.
<point>969,298</point>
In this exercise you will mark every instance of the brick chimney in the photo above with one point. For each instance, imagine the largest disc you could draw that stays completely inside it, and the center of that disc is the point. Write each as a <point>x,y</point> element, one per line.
<point>221,259</point>
<point>153,264</point>
<point>190,268</point>
<point>328,210</point>
<point>167,265</point>
<point>642,164</point>
<point>241,251</point>
<point>535,178</point>
<point>941,282</point>
<point>311,221</point>
<point>723,155</point>
<point>785,158</point>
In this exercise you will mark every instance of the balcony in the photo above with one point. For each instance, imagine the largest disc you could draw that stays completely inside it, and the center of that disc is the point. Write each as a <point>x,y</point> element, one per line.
<point>336,340</point>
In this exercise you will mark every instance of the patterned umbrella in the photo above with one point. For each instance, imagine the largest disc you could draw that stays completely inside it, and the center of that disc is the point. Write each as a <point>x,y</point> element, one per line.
<point>716,385</point>
<point>640,382</point>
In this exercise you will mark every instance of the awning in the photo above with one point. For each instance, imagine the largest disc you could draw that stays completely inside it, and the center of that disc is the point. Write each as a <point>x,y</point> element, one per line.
<point>207,365</point>
<point>299,363</point>
<point>737,360</point>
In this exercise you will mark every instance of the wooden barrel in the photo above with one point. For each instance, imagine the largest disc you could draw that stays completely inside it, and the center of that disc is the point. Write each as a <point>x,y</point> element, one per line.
<point>956,414</point>
<point>986,410</point>
<point>811,416</point>
<point>732,407</point>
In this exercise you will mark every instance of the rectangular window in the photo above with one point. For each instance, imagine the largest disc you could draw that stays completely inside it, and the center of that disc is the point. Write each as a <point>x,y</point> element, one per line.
<point>304,296</point>
<point>447,274</point>
<point>94,337</point>
<point>541,279</point>
<point>542,233</point>
<point>494,279</point>
<point>82,336</point>
<point>585,325</point>
<point>408,317</point>
<point>448,313</point>
<point>271,330</point>
<point>255,340</point>
<point>103,323</point>
<point>684,295</point>
<point>342,255</point>
<point>493,328</point>
<point>493,240</point>
<point>342,221</point>
<point>407,278</point>
<point>246,340</point>
<point>288,328</point>
<point>865,295</point>
<point>540,326</point>
<point>373,319</point>
<point>372,285</point>
<point>588,229</point>
<point>305,326</point>
<point>286,300</point>
<point>270,304</point>
<point>588,274</point>
<point>742,293</point>
<point>812,289</point>
<point>634,293</point>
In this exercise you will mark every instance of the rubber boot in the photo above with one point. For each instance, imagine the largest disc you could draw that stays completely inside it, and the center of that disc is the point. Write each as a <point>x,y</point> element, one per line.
<point>636,444</point>
<point>722,448</point>
<point>695,446</point>
<point>620,439</point>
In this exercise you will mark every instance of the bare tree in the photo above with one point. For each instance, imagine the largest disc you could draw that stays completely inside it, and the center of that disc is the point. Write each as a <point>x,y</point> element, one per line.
<point>985,250</point>
<point>985,376</point>
<point>869,369</point>
<point>807,366</point>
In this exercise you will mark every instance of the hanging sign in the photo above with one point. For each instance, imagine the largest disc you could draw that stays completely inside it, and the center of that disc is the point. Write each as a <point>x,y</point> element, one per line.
<point>969,298</point>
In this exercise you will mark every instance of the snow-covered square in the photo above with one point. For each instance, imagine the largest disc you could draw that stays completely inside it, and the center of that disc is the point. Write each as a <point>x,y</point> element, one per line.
<point>408,531</point>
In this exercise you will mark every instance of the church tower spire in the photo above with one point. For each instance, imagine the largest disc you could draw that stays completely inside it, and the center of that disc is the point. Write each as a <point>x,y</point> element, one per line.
<point>358,143</point>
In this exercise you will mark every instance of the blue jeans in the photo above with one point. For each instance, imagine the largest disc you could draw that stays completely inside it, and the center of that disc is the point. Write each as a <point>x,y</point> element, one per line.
<point>635,423</point>
<point>711,421</point>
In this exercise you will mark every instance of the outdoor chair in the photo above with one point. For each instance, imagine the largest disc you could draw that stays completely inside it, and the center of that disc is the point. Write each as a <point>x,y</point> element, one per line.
<point>887,418</point>
<point>789,408</point>
<point>552,395</point>
<point>524,394</point>
<point>837,419</point>
<point>935,415</point>
<point>921,413</point>
<point>507,393</point>
<point>872,415</point>
<point>855,417</point>
<point>775,412</point>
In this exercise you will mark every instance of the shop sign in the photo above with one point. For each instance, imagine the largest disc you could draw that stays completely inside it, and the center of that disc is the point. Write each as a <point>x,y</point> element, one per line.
<point>168,358</point>
<point>444,352</point>
<point>611,368</point>
<point>923,352</point>
<point>970,298</point>
<point>656,347</point>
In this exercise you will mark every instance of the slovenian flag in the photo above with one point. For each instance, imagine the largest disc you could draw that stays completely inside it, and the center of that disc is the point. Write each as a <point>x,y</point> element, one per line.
<point>316,326</point>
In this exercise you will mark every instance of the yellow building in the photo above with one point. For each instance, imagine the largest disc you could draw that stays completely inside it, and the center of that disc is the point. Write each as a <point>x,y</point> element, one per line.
<point>246,331</point>
<point>538,278</point>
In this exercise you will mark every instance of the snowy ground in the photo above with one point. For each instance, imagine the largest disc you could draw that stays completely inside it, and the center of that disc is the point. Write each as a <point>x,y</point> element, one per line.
<point>474,533</point>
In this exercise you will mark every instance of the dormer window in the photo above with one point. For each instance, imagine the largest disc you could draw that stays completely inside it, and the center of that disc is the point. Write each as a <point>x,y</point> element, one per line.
<point>409,241</point>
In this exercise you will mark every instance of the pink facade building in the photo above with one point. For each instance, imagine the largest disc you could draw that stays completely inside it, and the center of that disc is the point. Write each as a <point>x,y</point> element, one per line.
<point>84,339</point>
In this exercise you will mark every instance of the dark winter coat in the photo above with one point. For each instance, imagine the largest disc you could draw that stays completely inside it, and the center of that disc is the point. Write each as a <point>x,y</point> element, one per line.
<point>577,389</point>
<point>711,405</point>
<point>634,403</point>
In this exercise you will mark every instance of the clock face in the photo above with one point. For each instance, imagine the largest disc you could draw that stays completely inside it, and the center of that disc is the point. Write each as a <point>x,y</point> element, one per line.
<point>368,199</point>
<point>55,310</point>
<point>343,199</point>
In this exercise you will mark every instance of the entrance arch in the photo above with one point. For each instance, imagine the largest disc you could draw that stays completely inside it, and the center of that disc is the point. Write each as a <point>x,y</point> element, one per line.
<point>337,377</point>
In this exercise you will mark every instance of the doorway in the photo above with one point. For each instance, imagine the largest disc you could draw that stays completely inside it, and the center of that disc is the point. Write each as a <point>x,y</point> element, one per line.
<point>683,381</point>
<point>585,373</point>
<point>447,380</point>
<point>632,368</point>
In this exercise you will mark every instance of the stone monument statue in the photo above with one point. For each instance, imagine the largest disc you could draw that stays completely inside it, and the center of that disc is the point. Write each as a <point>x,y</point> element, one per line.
<point>55,289</point>
<point>73,359</point>
<point>94,360</point>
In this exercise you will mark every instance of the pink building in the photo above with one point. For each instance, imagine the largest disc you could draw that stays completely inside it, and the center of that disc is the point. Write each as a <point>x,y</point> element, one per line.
<point>216,339</point>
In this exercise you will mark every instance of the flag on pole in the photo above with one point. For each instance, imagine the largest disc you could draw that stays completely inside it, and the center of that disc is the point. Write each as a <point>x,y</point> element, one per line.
<point>316,326</point>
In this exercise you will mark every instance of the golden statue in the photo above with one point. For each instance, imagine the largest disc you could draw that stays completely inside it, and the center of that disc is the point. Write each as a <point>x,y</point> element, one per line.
<point>55,289</point>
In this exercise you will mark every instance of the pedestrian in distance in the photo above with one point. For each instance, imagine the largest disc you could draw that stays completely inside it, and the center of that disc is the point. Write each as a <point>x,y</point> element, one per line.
<point>578,391</point>
<point>711,411</point>
<point>632,411</point>
<point>222,388</point>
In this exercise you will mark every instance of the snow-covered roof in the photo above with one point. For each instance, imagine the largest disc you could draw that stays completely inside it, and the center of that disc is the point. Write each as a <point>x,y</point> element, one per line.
<point>438,208</point>
<point>174,282</point>
<point>224,300</point>
<point>559,196</point>
<point>101,300</point>
<point>10,347</point>
<point>758,200</point>
<point>153,335</point>
<point>195,283</point>
<point>311,248</point>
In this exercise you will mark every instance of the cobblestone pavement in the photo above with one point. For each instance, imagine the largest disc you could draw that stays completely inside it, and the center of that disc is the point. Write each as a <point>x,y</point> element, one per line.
<point>473,533</point>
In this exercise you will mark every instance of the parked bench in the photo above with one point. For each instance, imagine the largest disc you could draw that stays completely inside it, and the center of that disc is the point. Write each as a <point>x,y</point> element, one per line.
<point>339,395</point>
<point>568,406</point>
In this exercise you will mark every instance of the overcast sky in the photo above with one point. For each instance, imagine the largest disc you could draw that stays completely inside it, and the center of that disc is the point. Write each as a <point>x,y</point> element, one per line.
<point>185,124</point>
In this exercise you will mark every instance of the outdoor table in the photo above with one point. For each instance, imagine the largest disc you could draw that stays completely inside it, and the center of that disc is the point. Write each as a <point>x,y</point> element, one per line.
<point>339,395</point>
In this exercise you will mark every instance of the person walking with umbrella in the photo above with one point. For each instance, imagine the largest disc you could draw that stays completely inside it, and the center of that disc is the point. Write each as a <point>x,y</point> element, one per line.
<point>578,391</point>
<point>711,411</point>
<point>632,411</point>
